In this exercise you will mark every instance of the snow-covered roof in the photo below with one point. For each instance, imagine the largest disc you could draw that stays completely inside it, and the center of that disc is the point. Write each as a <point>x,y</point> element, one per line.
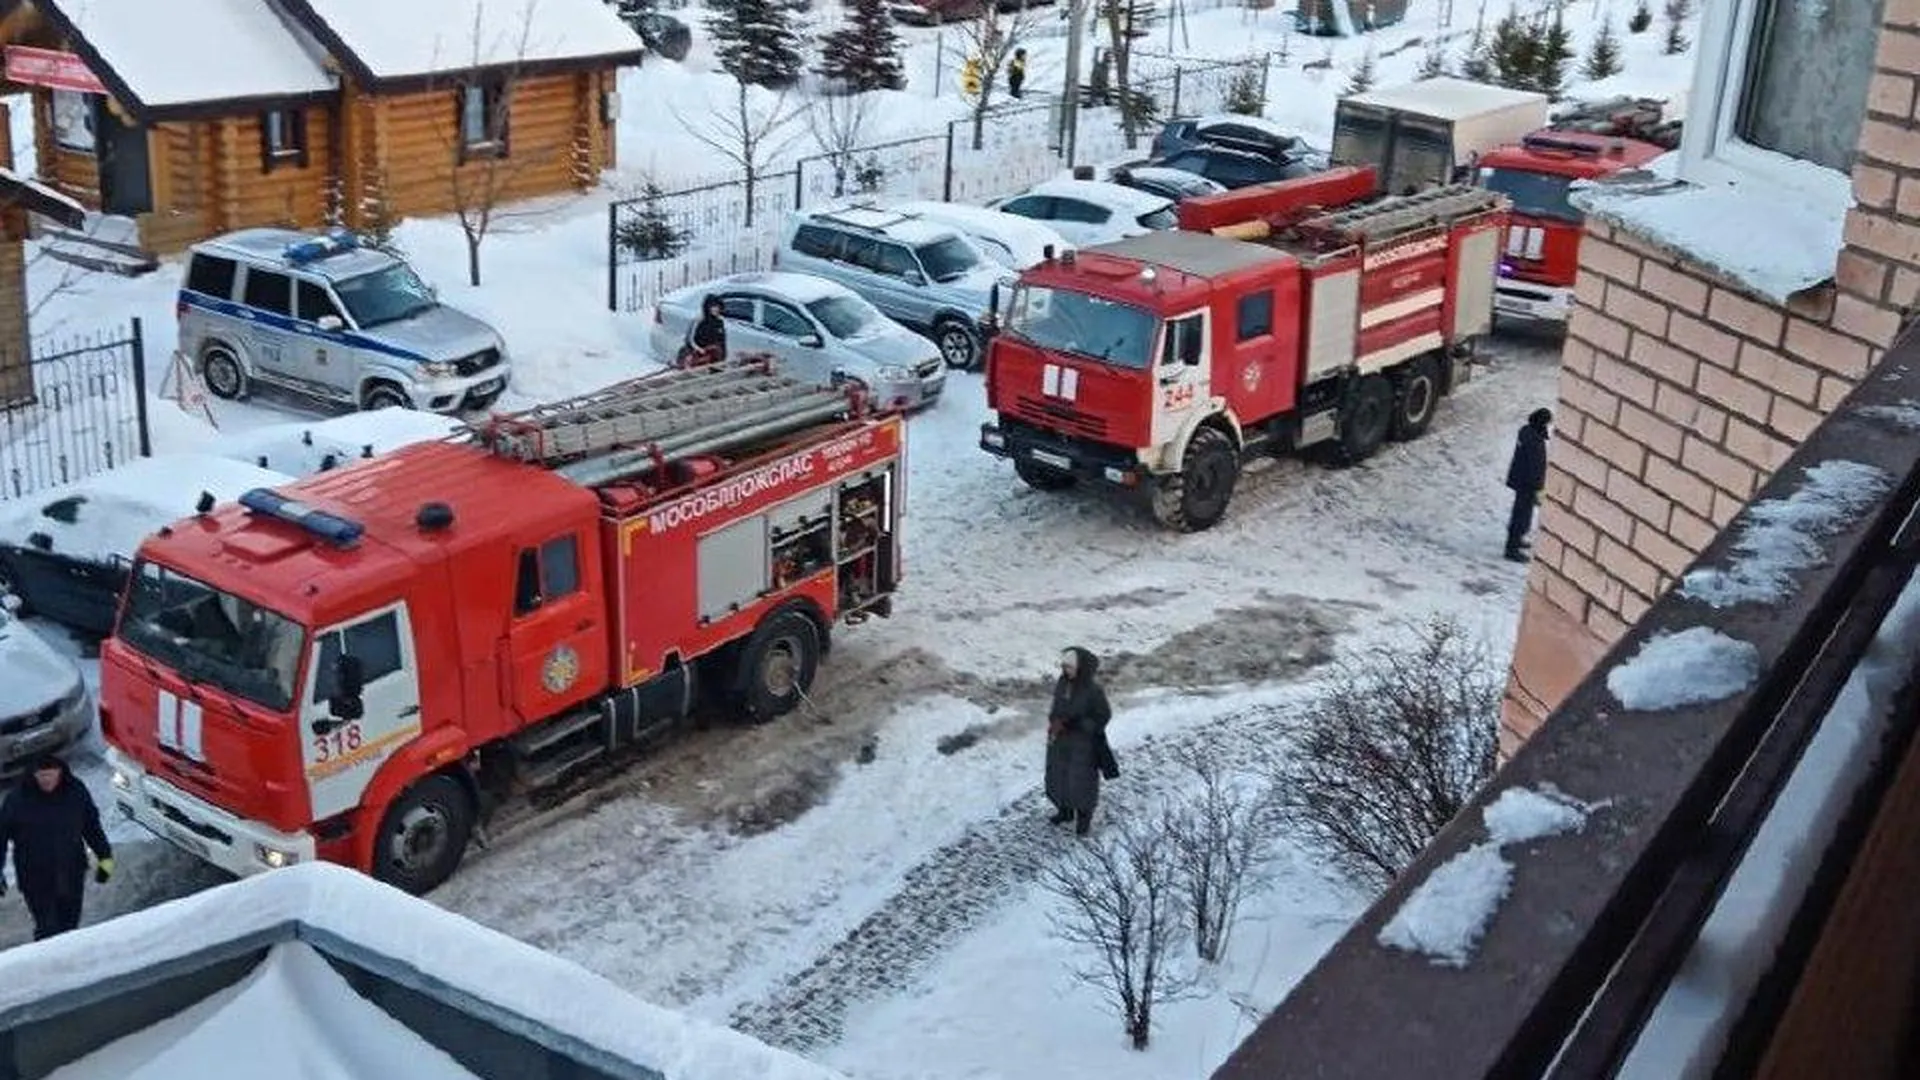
<point>325,908</point>
<point>1445,96</point>
<point>161,57</point>
<point>381,41</point>
<point>302,448</point>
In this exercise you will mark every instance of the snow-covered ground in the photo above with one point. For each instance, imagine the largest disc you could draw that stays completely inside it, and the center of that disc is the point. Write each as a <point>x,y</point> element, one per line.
<point>861,877</point>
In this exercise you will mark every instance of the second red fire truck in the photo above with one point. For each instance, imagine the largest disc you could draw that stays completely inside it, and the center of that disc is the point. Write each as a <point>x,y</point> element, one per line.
<point>1305,313</point>
<point>351,667</point>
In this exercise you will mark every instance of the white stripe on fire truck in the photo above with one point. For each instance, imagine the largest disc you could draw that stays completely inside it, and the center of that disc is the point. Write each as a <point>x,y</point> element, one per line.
<point>1403,307</point>
<point>1393,354</point>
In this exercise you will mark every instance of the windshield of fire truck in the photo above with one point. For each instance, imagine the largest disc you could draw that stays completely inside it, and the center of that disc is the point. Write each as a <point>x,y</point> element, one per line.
<point>1100,329</point>
<point>1533,194</point>
<point>212,637</point>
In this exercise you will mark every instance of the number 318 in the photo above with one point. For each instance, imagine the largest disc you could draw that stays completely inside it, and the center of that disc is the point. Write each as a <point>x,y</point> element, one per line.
<point>336,744</point>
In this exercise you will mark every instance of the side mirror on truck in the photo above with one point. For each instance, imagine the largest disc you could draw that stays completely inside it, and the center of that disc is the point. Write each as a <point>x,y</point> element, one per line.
<point>349,678</point>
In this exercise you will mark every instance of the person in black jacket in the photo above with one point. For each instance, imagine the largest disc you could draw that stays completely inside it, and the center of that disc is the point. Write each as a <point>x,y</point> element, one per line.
<point>1017,72</point>
<point>50,822</point>
<point>707,341</point>
<point>1526,475</point>
<point>1077,750</point>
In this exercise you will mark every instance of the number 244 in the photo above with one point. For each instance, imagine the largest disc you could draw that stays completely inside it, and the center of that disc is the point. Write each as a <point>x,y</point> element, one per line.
<point>336,744</point>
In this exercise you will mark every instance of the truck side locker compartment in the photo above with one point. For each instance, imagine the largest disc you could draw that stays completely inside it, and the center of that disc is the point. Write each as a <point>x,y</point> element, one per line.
<point>864,541</point>
<point>733,568</point>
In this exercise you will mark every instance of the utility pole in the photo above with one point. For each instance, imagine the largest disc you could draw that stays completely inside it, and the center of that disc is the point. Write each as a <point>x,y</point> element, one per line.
<point>1070,102</point>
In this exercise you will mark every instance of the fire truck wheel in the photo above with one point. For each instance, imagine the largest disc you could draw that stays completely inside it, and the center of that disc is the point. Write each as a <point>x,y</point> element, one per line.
<point>959,346</point>
<point>424,834</point>
<point>1415,399</point>
<point>1367,420</point>
<point>1039,477</point>
<point>221,370</point>
<point>777,666</point>
<point>1196,497</point>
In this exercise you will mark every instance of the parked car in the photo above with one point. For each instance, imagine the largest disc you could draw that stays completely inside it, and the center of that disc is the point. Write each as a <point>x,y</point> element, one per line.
<point>1255,134</point>
<point>1232,168</point>
<point>817,329</point>
<point>302,448</point>
<point>44,704</point>
<point>1175,184</point>
<point>324,316</point>
<point>1092,211</point>
<point>1008,239</point>
<point>924,275</point>
<point>64,552</point>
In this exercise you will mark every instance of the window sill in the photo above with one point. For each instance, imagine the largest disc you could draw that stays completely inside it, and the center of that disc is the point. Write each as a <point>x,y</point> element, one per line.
<point>1773,241</point>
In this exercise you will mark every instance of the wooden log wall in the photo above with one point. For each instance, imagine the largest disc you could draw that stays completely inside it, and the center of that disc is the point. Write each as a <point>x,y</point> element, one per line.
<point>74,173</point>
<point>16,354</point>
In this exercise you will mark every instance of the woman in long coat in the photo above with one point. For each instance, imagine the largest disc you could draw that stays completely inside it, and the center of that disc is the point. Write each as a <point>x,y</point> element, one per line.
<point>1076,739</point>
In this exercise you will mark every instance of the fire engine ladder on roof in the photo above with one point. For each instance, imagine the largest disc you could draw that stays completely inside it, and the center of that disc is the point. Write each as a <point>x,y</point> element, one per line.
<point>627,428</point>
<point>1406,213</point>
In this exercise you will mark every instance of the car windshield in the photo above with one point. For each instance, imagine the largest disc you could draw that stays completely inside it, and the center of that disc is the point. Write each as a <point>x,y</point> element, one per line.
<point>946,260</point>
<point>211,637</point>
<point>1533,194</point>
<point>1100,329</point>
<point>1163,218</point>
<point>847,316</point>
<point>385,296</point>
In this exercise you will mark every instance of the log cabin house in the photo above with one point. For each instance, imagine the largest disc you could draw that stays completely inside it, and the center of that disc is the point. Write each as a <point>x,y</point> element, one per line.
<point>175,120</point>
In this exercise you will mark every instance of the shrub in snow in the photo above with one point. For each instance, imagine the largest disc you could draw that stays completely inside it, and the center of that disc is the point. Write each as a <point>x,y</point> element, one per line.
<point>1515,51</point>
<point>1223,834</point>
<point>1247,91</point>
<point>648,232</point>
<point>1695,666</point>
<point>1603,55</point>
<point>1433,63</point>
<point>1641,18</point>
<point>864,53</point>
<point>377,220</point>
<point>1364,74</point>
<point>1676,12</point>
<point>1398,740</point>
<point>1551,57</point>
<point>1477,64</point>
<point>755,41</point>
<point>870,174</point>
<point>1119,899</point>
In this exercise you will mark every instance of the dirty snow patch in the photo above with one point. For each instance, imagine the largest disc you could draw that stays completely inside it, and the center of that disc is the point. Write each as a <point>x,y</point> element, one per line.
<point>1780,537</point>
<point>1696,665</point>
<point>1904,414</point>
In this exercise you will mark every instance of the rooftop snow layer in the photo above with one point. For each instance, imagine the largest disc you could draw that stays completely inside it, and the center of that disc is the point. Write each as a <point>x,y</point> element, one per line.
<point>184,52</point>
<point>426,37</point>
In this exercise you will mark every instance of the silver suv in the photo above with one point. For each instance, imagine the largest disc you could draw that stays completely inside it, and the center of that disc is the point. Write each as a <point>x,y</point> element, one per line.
<point>323,316</point>
<point>925,276</point>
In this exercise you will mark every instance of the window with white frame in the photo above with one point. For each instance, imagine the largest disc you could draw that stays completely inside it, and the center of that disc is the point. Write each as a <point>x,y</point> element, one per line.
<point>72,115</point>
<point>1779,83</point>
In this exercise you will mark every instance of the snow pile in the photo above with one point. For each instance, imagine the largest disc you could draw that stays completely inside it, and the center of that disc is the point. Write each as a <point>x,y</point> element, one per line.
<point>1903,414</point>
<point>294,1009</point>
<point>1696,665</point>
<point>109,513</point>
<point>167,56</point>
<point>426,37</point>
<point>1781,537</point>
<point>1445,918</point>
<point>466,956</point>
<point>302,449</point>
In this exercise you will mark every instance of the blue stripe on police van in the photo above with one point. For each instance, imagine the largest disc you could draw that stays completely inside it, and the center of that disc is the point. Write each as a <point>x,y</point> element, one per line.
<point>292,326</point>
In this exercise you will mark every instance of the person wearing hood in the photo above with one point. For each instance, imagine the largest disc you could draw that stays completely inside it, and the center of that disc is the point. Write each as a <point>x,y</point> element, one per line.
<point>1077,750</point>
<point>1526,475</point>
<point>707,340</point>
<point>50,822</point>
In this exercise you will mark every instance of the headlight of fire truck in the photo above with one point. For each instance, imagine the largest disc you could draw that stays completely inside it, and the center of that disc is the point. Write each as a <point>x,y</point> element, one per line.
<point>273,858</point>
<point>894,374</point>
<point>436,369</point>
<point>120,781</point>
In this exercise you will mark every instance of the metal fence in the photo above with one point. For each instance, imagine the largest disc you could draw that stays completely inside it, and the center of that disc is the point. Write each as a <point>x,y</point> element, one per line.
<point>664,240</point>
<point>72,409</point>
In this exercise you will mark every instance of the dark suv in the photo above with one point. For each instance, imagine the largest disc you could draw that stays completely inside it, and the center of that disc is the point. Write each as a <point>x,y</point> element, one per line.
<point>1175,184</point>
<point>1250,133</point>
<point>1232,168</point>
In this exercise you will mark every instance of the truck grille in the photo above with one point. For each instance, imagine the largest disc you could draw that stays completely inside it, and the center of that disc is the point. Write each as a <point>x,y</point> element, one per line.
<point>477,363</point>
<point>1052,414</point>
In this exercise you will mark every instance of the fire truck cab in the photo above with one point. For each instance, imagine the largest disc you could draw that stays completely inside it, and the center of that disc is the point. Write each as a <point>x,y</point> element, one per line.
<point>1290,315</point>
<point>356,666</point>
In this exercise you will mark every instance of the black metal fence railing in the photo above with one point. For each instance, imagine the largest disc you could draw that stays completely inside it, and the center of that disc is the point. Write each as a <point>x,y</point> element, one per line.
<point>72,409</point>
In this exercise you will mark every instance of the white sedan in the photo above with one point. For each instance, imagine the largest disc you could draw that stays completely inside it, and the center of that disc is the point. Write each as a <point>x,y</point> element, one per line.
<point>1014,242</point>
<point>1093,211</point>
<point>816,329</point>
<point>44,704</point>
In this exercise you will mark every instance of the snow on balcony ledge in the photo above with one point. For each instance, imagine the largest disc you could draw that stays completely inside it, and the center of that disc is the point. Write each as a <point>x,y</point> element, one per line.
<point>1769,240</point>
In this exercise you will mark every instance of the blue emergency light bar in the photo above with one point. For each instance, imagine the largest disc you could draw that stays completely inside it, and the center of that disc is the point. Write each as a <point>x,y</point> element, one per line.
<point>331,528</point>
<point>333,242</point>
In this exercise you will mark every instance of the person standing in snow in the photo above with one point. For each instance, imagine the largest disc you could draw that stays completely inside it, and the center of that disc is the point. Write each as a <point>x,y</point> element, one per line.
<point>1017,72</point>
<point>50,822</point>
<point>707,341</point>
<point>1526,475</point>
<point>1077,750</point>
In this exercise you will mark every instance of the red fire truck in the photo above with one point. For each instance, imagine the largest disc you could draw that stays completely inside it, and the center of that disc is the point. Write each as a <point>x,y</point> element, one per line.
<point>354,667</point>
<point>1278,317</point>
<point>1542,252</point>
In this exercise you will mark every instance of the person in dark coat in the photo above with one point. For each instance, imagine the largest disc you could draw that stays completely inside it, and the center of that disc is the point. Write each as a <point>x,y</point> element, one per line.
<point>1017,72</point>
<point>1526,475</point>
<point>707,341</point>
<point>50,823</point>
<point>1077,750</point>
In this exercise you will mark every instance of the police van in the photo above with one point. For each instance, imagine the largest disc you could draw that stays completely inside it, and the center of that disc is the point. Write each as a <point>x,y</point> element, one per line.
<point>325,316</point>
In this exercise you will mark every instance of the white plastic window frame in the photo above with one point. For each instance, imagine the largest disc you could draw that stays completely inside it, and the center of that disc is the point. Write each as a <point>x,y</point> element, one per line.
<point>1712,153</point>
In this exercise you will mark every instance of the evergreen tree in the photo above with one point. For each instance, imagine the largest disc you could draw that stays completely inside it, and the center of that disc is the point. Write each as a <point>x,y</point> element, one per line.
<point>1641,18</point>
<point>649,233</point>
<point>1245,94</point>
<point>1603,56</point>
<point>1677,12</point>
<point>865,52</point>
<point>1363,75</point>
<point>756,42</point>
<point>1477,64</point>
<point>1551,57</point>
<point>1433,63</point>
<point>1515,51</point>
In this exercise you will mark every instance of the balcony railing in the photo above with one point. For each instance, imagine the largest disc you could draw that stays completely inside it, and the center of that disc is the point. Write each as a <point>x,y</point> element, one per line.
<point>1596,922</point>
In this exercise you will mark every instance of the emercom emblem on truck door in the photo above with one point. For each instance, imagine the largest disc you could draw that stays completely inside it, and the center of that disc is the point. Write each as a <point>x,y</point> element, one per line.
<point>340,752</point>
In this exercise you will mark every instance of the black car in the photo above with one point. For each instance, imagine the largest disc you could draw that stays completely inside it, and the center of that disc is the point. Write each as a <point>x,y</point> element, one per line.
<point>1238,168</point>
<point>1247,133</point>
<point>1175,184</point>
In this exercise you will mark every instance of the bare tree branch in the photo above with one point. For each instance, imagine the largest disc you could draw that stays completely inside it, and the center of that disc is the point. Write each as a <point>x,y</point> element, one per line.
<point>991,37</point>
<point>838,124</point>
<point>752,138</point>
<point>1222,834</point>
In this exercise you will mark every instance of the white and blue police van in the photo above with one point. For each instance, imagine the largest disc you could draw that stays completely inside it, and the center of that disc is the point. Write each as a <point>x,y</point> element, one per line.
<point>325,316</point>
